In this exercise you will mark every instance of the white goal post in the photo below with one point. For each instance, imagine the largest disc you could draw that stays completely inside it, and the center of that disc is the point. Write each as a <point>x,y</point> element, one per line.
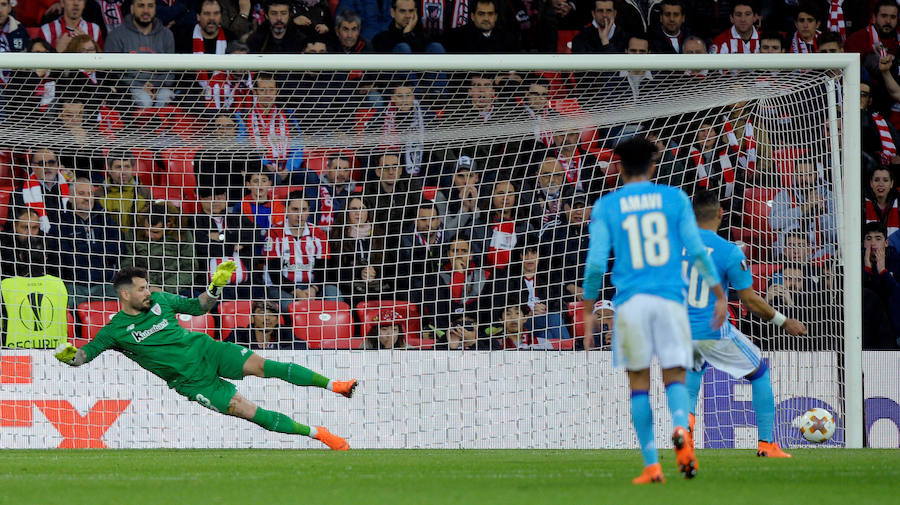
<point>408,388</point>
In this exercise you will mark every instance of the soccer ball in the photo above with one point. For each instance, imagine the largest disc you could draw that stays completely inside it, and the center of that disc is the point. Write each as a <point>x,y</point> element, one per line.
<point>816,425</point>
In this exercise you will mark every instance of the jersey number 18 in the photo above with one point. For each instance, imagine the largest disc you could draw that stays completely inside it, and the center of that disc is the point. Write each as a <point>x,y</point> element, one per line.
<point>648,239</point>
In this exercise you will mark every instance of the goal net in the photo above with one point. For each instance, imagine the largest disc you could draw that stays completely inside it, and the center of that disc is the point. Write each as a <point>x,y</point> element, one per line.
<point>414,223</point>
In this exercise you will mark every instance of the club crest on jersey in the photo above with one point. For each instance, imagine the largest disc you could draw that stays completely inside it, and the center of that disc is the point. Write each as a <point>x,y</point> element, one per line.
<point>156,309</point>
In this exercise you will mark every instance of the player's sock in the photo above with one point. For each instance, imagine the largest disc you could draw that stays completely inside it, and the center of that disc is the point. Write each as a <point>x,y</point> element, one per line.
<point>763,402</point>
<point>294,373</point>
<point>276,421</point>
<point>642,418</point>
<point>693,381</point>
<point>677,396</point>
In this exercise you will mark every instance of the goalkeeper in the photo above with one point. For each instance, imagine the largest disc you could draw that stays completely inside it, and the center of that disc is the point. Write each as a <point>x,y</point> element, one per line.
<point>193,364</point>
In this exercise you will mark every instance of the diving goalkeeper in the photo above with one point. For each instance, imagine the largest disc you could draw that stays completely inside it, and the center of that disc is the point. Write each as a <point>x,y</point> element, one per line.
<point>193,364</point>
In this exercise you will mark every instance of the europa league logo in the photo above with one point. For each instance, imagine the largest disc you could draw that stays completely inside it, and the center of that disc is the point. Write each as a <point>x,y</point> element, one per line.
<point>33,310</point>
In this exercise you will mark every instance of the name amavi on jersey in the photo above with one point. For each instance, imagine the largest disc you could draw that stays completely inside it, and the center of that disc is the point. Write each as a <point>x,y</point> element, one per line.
<point>635,203</point>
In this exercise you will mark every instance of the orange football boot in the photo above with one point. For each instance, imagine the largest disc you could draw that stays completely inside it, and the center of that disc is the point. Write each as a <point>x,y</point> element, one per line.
<point>345,388</point>
<point>770,450</point>
<point>330,439</point>
<point>684,453</point>
<point>652,474</point>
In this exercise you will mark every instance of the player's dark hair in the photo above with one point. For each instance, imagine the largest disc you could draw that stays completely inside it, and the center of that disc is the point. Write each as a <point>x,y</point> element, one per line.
<point>706,205</point>
<point>125,276</point>
<point>874,226</point>
<point>884,3</point>
<point>828,37</point>
<point>636,155</point>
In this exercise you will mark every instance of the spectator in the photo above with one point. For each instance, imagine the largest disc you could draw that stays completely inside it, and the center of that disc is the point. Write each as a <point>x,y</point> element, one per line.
<point>881,202</point>
<point>482,34</point>
<point>670,167</point>
<point>421,253</point>
<point>403,122</point>
<point>164,248</point>
<point>807,19</point>
<point>219,237</point>
<point>708,163</point>
<point>602,35</point>
<point>605,313</point>
<point>208,35</point>
<point>13,35</point>
<point>571,15</point>
<point>480,107</point>
<point>330,191</point>
<point>462,335</point>
<point>881,291</point>
<point>38,87</point>
<point>531,282</point>
<point>807,206</point>
<point>346,37</point>
<point>393,195</point>
<point>258,205</point>
<point>375,14</point>
<point>463,286</point>
<point>771,43</point>
<point>388,332</point>
<point>569,247</point>
<point>178,15</point>
<point>58,33</point>
<point>514,332</point>
<point>95,88</point>
<point>629,83</point>
<point>363,267</point>
<point>829,43</point>
<point>534,24</point>
<point>404,34</point>
<point>742,38</point>
<point>122,194</point>
<point>580,167</point>
<point>668,35</point>
<point>882,33</point>
<point>277,34</point>
<point>544,195</point>
<point>268,128</point>
<point>25,251</point>
<point>463,206</point>
<point>265,330</point>
<point>46,188</point>
<point>794,247</point>
<point>313,17</point>
<point>879,138</point>
<point>142,32</point>
<point>296,256</point>
<point>506,228</point>
<point>90,247</point>
<point>795,296</point>
<point>694,45</point>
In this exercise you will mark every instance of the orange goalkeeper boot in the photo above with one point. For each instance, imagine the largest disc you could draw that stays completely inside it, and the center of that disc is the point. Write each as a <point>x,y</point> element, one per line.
<point>345,388</point>
<point>770,450</point>
<point>652,474</point>
<point>684,453</point>
<point>330,439</point>
<point>692,420</point>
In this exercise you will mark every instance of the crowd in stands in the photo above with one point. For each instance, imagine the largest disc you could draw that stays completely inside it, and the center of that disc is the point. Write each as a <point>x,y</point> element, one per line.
<point>485,240</point>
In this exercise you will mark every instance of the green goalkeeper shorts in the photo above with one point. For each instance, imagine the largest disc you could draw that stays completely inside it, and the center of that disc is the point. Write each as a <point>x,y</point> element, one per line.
<point>222,359</point>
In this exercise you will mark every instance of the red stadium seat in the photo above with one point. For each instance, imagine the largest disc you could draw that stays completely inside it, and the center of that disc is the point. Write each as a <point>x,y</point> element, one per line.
<point>7,171</point>
<point>235,314</point>
<point>784,163</point>
<point>282,192</point>
<point>576,314</point>
<point>562,344</point>
<point>199,324</point>
<point>755,230</point>
<point>761,273</point>
<point>94,315</point>
<point>324,324</point>
<point>368,311</point>
<point>564,41</point>
<point>316,160</point>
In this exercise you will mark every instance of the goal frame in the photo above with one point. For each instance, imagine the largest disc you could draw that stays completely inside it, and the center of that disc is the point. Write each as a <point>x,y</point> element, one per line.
<point>847,162</point>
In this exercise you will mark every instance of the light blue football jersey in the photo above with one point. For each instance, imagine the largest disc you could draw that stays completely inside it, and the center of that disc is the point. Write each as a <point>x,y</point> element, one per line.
<point>647,226</point>
<point>731,262</point>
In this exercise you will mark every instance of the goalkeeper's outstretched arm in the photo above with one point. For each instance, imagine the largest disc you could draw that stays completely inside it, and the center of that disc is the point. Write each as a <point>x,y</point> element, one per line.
<point>761,308</point>
<point>220,279</point>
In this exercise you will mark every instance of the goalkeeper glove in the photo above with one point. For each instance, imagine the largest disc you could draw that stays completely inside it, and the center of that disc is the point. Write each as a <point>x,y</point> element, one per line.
<point>220,278</point>
<point>65,353</point>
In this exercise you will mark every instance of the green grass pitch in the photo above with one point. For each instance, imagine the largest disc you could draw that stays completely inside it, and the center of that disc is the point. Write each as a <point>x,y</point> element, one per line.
<point>568,477</point>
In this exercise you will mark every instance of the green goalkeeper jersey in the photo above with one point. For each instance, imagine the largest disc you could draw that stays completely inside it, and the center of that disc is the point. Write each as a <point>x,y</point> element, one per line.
<point>155,340</point>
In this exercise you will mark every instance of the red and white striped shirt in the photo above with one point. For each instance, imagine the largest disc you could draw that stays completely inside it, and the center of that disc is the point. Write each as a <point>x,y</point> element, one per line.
<point>53,30</point>
<point>297,254</point>
<point>731,43</point>
<point>889,217</point>
<point>836,18</point>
